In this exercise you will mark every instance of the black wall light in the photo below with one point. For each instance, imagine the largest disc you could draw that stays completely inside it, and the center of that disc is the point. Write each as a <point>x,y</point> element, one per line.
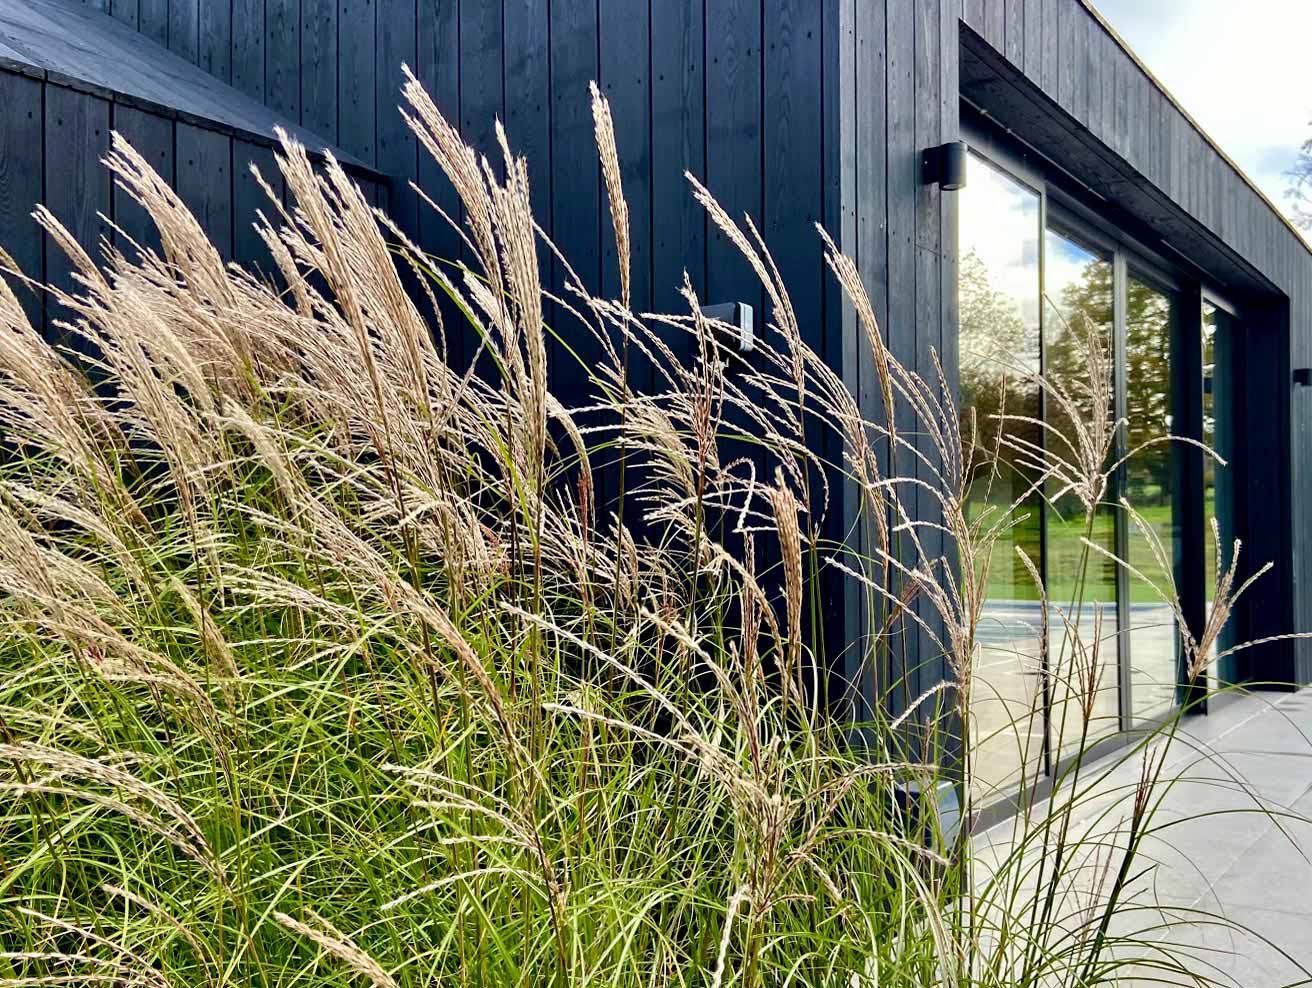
<point>944,166</point>
<point>1303,376</point>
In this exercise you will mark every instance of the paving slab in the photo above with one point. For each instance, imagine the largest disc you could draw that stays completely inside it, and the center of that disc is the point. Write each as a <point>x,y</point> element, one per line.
<point>1228,865</point>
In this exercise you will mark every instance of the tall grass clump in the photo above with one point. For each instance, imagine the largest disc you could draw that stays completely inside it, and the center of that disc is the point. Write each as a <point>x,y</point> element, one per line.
<point>327,661</point>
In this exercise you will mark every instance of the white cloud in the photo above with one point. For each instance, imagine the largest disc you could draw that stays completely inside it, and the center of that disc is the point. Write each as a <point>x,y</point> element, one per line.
<point>1243,70</point>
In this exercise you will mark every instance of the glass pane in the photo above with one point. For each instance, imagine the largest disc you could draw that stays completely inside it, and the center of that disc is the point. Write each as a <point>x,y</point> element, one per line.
<point>1077,327</point>
<point>1218,334</point>
<point>998,293</point>
<point>1149,487</point>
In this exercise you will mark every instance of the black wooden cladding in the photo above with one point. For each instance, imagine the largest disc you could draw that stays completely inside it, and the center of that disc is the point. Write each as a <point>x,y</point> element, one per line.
<point>80,47</point>
<point>69,76</point>
<point>54,138</point>
<point>729,89</point>
<point>21,179</point>
<point>792,111</point>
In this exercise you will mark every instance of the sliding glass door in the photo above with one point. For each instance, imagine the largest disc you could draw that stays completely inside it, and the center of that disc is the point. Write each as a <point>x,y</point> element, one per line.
<point>1078,327</point>
<point>1043,291</point>
<point>999,298</point>
<point>1150,485</point>
<point>1219,339</point>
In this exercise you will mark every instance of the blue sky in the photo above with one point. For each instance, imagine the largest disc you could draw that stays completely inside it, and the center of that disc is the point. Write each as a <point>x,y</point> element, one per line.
<point>1242,68</point>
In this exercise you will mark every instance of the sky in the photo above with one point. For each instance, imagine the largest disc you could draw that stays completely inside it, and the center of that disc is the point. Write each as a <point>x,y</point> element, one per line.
<point>1241,68</point>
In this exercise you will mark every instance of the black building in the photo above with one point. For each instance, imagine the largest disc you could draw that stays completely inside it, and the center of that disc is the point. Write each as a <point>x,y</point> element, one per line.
<point>1088,191</point>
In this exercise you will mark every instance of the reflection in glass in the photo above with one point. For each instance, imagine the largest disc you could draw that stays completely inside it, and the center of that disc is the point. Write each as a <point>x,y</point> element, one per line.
<point>1218,334</point>
<point>1150,316</point>
<point>1078,296</point>
<point>998,293</point>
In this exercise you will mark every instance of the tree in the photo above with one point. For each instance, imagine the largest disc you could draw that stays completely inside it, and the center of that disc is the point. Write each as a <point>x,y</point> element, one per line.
<point>1299,191</point>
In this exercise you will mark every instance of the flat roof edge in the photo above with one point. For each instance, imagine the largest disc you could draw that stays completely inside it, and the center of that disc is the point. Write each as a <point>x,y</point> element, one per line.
<point>1124,45</point>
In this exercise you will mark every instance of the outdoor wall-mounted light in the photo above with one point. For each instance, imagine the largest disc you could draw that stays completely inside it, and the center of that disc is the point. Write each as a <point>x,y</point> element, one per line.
<point>944,166</point>
<point>1303,376</point>
<point>732,326</point>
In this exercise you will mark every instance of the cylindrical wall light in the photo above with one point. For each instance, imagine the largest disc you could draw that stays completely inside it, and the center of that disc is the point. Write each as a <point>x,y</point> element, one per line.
<point>944,166</point>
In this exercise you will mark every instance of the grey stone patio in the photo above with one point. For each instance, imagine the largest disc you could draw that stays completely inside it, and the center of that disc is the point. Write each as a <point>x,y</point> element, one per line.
<point>1238,843</point>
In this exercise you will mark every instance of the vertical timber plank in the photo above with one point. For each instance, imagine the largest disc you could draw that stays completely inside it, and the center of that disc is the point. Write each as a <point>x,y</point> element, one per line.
<point>972,12</point>
<point>995,23</point>
<point>318,61</point>
<point>153,20</point>
<point>576,193</point>
<point>678,145</point>
<point>949,130</point>
<point>398,33</point>
<point>792,168</point>
<point>625,45</point>
<point>482,96</point>
<point>791,124</point>
<point>949,88</point>
<point>356,82</point>
<point>248,199</point>
<point>928,326</point>
<point>1014,15</point>
<point>204,168</point>
<point>870,245</point>
<point>214,38</point>
<point>734,153</point>
<point>248,34</point>
<point>904,191</point>
<point>1088,76</point>
<point>1032,56</point>
<point>439,70</point>
<point>1107,56</point>
<point>127,11</point>
<point>152,136</point>
<point>528,97</point>
<point>184,29</point>
<point>840,628</point>
<point>20,182</point>
<point>77,185</point>
<point>282,57</point>
<point>793,178</point>
<point>1068,55</point>
<point>1050,44</point>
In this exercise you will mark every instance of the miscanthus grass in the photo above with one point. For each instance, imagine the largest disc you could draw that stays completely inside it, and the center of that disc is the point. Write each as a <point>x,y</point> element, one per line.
<point>326,661</point>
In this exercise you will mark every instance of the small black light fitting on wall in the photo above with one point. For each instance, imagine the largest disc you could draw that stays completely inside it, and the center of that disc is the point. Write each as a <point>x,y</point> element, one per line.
<point>1303,376</point>
<point>733,330</point>
<point>944,166</point>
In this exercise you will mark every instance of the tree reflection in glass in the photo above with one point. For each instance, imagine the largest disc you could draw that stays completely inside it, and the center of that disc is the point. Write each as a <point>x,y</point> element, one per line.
<point>1218,385</point>
<point>1078,303</point>
<point>998,294</point>
<point>1149,323</point>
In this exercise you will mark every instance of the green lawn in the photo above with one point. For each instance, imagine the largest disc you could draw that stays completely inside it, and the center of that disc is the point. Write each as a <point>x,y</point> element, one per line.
<point>1009,580</point>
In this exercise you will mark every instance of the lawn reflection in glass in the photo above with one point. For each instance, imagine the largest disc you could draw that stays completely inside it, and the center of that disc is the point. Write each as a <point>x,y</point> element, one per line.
<point>999,296</point>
